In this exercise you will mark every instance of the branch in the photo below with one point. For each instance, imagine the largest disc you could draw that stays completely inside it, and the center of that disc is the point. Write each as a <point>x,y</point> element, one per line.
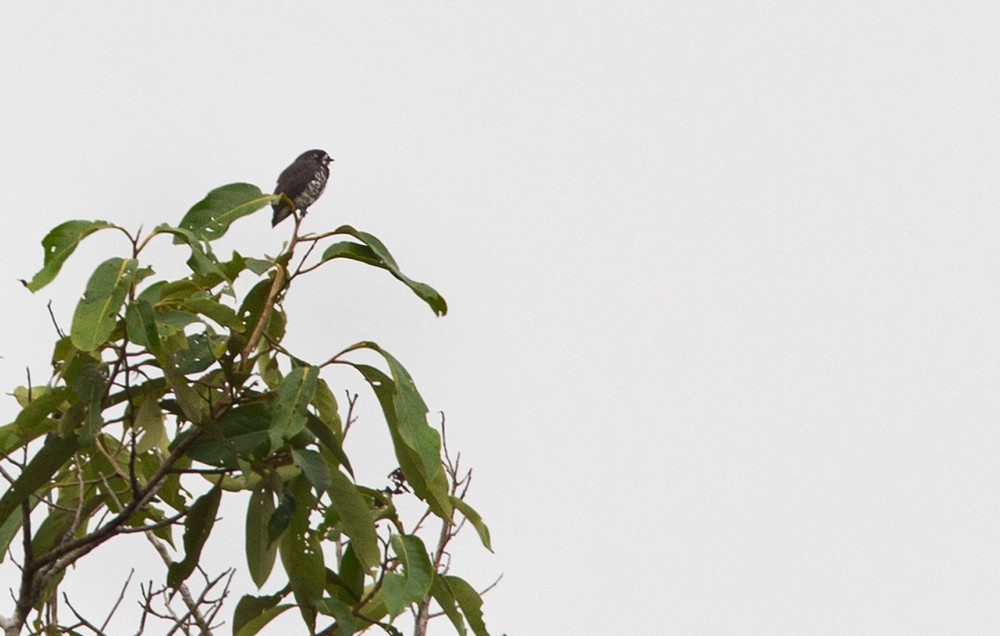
<point>277,285</point>
<point>36,573</point>
<point>189,601</point>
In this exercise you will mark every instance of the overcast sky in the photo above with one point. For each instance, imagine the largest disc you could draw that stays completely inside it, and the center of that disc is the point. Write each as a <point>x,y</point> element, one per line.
<point>723,277</point>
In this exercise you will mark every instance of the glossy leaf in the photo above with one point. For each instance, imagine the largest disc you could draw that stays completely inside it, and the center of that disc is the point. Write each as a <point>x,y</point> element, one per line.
<point>59,244</point>
<point>197,527</point>
<point>211,217</point>
<point>97,312</point>
<point>260,550</point>
<point>374,252</point>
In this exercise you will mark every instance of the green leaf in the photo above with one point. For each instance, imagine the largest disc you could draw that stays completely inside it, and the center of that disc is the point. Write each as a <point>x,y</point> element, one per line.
<point>326,426</point>
<point>58,244</point>
<point>89,383</point>
<point>302,554</point>
<point>12,526</point>
<point>61,520</point>
<point>352,572</point>
<point>432,488</point>
<point>140,323</point>
<point>417,445</point>
<point>290,414</point>
<point>47,461</point>
<point>97,312</point>
<point>329,440</point>
<point>175,290</point>
<point>253,305</point>
<point>282,517</point>
<point>341,612</point>
<point>258,266</point>
<point>313,467</point>
<point>374,252</point>
<point>252,624</point>
<point>197,527</point>
<point>470,602</point>
<point>242,434</point>
<point>224,316</point>
<point>25,397</point>
<point>475,520</point>
<point>260,551</point>
<point>205,265</point>
<point>442,593</point>
<point>275,327</point>
<point>415,582</point>
<point>326,406</point>
<point>411,413</point>
<point>149,420</point>
<point>356,519</point>
<point>201,352</point>
<point>250,607</point>
<point>33,420</point>
<point>211,217</point>
<point>192,406</point>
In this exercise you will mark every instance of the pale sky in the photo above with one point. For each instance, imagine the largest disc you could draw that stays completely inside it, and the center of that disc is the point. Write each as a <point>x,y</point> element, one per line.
<point>723,277</point>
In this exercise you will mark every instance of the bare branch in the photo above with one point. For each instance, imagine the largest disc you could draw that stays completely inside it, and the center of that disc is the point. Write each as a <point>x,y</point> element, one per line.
<point>55,324</point>
<point>189,601</point>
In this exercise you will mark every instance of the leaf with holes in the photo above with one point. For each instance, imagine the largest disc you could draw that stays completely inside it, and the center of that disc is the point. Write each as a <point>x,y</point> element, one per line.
<point>59,244</point>
<point>211,217</point>
<point>97,312</point>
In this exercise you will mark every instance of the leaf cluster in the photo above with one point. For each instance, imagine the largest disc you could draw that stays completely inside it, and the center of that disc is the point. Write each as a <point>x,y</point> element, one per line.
<point>167,395</point>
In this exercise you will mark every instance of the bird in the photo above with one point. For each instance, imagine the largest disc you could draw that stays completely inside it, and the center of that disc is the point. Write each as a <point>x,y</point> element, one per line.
<point>301,183</point>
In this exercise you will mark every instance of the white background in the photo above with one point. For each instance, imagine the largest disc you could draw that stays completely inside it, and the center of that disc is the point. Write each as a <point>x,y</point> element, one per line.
<point>722,346</point>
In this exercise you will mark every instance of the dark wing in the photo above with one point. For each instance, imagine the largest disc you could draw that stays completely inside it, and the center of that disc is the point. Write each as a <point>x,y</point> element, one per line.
<point>291,182</point>
<point>295,178</point>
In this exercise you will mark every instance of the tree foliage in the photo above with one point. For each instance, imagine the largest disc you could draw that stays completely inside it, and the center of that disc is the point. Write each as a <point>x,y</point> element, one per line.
<point>168,395</point>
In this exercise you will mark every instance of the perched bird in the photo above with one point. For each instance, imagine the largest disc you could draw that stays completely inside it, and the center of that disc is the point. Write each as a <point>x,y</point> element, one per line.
<point>302,182</point>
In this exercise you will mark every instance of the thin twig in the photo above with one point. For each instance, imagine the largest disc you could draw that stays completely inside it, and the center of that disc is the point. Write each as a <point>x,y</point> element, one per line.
<point>121,595</point>
<point>55,324</point>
